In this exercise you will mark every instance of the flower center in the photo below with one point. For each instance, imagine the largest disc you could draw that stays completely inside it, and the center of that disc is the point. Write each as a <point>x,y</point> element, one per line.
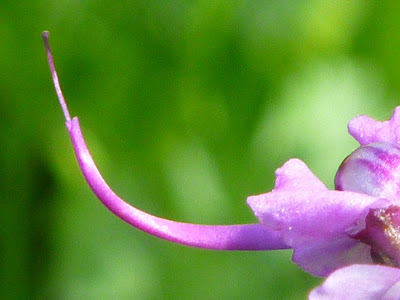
<point>382,233</point>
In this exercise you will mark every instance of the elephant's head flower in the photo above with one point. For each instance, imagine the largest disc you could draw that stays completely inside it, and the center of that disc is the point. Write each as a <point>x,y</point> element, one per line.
<point>354,227</point>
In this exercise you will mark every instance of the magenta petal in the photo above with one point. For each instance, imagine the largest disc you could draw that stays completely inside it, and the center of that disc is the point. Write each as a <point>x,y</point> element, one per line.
<point>314,220</point>
<point>393,292</point>
<point>366,130</point>
<point>360,282</point>
<point>321,257</point>
<point>217,237</point>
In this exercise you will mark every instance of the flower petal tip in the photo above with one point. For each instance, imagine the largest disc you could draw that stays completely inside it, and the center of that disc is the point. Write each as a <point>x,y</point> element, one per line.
<point>367,130</point>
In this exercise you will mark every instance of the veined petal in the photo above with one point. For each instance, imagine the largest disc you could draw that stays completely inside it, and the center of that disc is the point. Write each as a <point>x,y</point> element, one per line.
<point>360,282</point>
<point>366,130</point>
<point>314,220</point>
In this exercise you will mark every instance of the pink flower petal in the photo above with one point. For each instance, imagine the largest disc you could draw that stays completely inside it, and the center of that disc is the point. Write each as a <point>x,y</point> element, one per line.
<point>360,282</point>
<point>366,130</point>
<point>313,219</point>
<point>217,237</point>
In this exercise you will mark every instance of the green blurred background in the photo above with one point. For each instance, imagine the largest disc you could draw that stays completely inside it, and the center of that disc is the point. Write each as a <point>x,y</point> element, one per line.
<point>188,107</point>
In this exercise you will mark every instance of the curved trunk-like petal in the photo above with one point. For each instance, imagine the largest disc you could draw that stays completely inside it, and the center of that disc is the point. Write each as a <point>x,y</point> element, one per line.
<point>217,237</point>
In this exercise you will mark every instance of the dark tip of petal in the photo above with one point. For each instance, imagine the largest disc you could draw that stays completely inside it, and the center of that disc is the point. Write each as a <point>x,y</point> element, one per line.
<point>45,36</point>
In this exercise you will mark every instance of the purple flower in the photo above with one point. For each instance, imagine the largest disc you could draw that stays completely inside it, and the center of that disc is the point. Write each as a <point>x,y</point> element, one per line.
<point>313,220</point>
<point>343,233</point>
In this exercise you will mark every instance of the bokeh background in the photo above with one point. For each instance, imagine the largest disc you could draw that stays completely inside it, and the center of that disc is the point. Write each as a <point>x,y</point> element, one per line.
<point>188,107</point>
